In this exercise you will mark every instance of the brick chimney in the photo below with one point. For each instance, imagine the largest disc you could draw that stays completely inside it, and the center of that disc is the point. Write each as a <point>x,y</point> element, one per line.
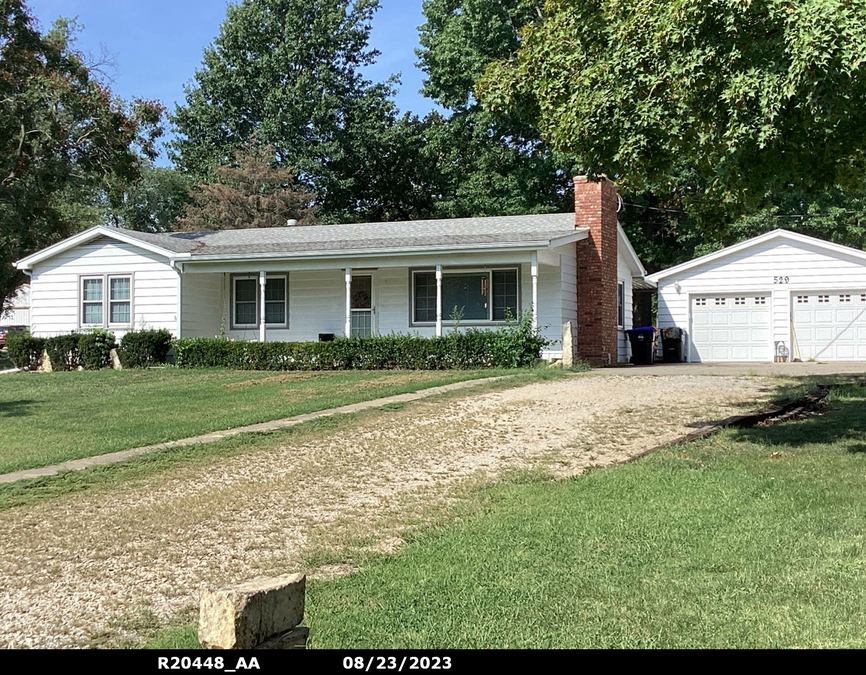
<point>595,207</point>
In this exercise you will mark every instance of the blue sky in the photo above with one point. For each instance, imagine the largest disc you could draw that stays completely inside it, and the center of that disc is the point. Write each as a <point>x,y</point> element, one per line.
<point>157,44</point>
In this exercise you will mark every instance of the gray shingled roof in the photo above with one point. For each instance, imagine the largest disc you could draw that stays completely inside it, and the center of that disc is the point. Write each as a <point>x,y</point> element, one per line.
<point>414,234</point>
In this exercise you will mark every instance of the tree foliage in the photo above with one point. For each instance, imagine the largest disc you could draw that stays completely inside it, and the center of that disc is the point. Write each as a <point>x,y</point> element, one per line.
<point>289,71</point>
<point>252,192</point>
<point>758,97</point>
<point>153,203</point>
<point>62,135</point>
<point>485,164</point>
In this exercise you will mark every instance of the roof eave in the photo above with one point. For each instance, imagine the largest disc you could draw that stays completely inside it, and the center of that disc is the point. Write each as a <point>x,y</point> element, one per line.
<point>755,241</point>
<point>381,252</point>
<point>26,263</point>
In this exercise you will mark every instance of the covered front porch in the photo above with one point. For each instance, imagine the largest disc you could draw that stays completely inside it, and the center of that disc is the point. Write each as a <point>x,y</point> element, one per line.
<point>300,301</point>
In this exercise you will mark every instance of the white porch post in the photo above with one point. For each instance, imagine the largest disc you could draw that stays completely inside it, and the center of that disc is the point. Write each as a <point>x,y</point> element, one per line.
<point>263,281</point>
<point>438,300</point>
<point>348,302</point>
<point>534,272</point>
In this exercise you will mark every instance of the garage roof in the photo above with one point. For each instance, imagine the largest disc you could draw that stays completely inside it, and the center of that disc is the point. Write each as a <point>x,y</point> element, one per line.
<point>784,235</point>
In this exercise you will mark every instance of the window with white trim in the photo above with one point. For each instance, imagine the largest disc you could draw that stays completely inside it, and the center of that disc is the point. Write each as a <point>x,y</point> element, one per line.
<point>471,295</point>
<point>844,298</point>
<point>761,300</point>
<point>802,299</point>
<point>276,300</point>
<point>823,298</point>
<point>700,302</point>
<point>119,300</point>
<point>246,301</point>
<point>106,301</point>
<point>739,301</point>
<point>620,304</point>
<point>721,302</point>
<point>92,301</point>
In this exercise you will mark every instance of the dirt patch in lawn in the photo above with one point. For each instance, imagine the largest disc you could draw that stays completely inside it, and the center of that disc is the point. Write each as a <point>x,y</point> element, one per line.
<point>68,566</point>
<point>274,379</point>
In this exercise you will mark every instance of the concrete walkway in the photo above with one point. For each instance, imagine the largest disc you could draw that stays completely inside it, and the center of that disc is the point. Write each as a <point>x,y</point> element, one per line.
<point>212,437</point>
<point>758,369</point>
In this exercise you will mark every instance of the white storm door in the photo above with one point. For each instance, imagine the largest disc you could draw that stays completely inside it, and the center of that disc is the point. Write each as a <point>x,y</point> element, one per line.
<point>363,305</point>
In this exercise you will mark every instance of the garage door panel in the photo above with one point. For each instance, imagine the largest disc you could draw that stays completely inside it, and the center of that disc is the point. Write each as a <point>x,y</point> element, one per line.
<point>831,326</point>
<point>731,328</point>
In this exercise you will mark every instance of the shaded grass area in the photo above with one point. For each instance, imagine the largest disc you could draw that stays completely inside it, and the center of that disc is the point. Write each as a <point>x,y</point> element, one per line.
<point>120,475</point>
<point>50,418</point>
<point>752,538</point>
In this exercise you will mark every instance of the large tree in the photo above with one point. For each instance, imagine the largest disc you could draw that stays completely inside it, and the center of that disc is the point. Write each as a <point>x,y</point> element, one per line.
<point>250,192</point>
<point>757,98</point>
<point>487,164</point>
<point>153,203</point>
<point>63,137</point>
<point>290,72</point>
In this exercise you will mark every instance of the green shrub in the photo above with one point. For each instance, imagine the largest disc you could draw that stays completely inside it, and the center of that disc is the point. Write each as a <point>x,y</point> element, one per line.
<point>24,349</point>
<point>95,347</point>
<point>512,346</point>
<point>63,351</point>
<point>143,348</point>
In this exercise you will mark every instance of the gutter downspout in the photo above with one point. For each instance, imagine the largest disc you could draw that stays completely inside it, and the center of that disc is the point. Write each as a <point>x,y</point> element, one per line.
<point>178,267</point>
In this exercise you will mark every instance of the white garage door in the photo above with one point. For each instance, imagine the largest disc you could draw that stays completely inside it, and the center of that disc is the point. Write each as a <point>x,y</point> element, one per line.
<point>830,326</point>
<point>731,328</point>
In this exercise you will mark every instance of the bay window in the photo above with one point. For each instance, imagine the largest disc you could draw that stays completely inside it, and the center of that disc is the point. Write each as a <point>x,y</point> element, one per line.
<point>471,296</point>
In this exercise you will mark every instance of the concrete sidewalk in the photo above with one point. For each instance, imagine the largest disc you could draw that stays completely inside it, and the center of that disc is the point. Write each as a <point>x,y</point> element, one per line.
<point>212,437</point>
<point>761,369</point>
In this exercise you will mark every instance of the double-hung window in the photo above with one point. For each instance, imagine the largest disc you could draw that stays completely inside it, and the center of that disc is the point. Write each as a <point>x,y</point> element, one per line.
<point>119,300</point>
<point>620,304</point>
<point>276,301</point>
<point>470,296</point>
<point>106,300</point>
<point>92,301</point>
<point>246,300</point>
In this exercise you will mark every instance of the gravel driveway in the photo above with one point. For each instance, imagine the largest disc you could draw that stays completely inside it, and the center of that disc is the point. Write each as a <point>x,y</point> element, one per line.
<point>71,566</point>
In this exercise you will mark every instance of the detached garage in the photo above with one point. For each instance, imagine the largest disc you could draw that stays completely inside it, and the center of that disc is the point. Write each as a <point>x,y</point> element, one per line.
<point>780,296</point>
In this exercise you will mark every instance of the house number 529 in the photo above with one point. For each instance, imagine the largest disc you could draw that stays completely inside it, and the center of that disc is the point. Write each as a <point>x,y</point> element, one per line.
<point>781,280</point>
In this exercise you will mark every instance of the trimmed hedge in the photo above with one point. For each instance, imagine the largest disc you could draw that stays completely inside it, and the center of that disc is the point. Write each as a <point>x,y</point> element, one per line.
<point>94,348</point>
<point>63,352</point>
<point>143,348</point>
<point>91,350</point>
<point>513,346</point>
<point>24,350</point>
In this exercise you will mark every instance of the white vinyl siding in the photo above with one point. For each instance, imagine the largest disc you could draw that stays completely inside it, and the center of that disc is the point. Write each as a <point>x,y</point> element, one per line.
<point>624,276</point>
<point>317,297</point>
<point>56,287</point>
<point>805,268</point>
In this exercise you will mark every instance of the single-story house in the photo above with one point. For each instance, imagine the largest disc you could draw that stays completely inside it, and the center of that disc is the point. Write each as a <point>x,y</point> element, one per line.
<point>313,283</point>
<point>779,296</point>
<point>17,312</point>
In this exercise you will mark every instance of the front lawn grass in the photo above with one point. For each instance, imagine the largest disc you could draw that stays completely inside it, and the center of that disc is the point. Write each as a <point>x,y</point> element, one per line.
<point>751,539</point>
<point>51,418</point>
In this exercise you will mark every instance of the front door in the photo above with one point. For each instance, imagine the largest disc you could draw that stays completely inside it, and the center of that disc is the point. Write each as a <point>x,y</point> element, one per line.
<point>363,305</point>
